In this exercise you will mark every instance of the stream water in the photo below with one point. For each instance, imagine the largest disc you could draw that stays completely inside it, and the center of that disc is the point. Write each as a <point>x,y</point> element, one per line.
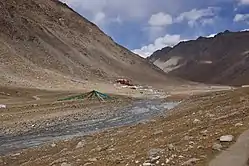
<point>137,112</point>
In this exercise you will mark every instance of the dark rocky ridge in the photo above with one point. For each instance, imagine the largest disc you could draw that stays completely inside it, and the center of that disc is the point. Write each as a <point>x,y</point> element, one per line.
<point>223,59</point>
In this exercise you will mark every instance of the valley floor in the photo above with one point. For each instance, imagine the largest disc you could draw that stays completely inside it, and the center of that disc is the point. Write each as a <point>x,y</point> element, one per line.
<point>188,134</point>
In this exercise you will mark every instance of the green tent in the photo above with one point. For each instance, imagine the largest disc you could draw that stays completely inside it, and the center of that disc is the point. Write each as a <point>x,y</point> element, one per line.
<point>89,96</point>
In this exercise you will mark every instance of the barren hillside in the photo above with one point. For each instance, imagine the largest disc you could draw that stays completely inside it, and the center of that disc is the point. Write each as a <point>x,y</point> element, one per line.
<point>44,43</point>
<point>223,59</point>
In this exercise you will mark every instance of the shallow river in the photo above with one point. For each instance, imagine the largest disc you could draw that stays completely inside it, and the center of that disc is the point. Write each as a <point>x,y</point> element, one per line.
<point>137,112</point>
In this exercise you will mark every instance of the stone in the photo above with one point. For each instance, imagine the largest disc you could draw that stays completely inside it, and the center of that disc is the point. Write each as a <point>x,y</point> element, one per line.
<point>3,106</point>
<point>191,143</point>
<point>66,164</point>
<point>80,145</point>
<point>93,159</point>
<point>147,164</point>
<point>200,147</point>
<point>217,146</point>
<point>60,160</point>
<point>171,147</point>
<point>154,159</point>
<point>16,154</point>
<point>53,145</point>
<point>191,147</point>
<point>154,152</point>
<point>7,131</point>
<point>190,162</point>
<point>118,160</point>
<point>187,138</point>
<point>226,138</point>
<point>204,132</point>
<point>111,150</point>
<point>173,156</point>
<point>210,115</point>
<point>203,156</point>
<point>98,149</point>
<point>158,132</point>
<point>238,124</point>
<point>242,99</point>
<point>196,121</point>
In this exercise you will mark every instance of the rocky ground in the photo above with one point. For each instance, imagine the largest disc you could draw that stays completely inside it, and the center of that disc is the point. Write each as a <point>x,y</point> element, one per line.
<point>26,111</point>
<point>192,134</point>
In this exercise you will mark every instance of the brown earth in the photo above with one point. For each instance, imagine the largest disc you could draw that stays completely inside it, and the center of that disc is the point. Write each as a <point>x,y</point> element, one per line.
<point>222,59</point>
<point>188,131</point>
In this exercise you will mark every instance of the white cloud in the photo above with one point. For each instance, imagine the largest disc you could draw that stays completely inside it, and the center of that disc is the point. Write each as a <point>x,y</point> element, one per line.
<point>244,2</point>
<point>154,32</point>
<point>211,35</point>
<point>202,15</point>
<point>117,20</point>
<point>192,23</point>
<point>136,10</point>
<point>125,9</point>
<point>159,43</point>
<point>160,19</point>
<point>208,21</point>
<point>241,17</point>
<point>157,25</point>
<point>105,12</point>
<point>99,18</point>
<point>87,5</point>
<point>244,30</point>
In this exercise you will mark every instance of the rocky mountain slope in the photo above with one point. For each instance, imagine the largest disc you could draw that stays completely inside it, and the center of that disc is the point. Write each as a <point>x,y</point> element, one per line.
<point>223,59</point>
<point>159,54</point>
<point>44,43</point>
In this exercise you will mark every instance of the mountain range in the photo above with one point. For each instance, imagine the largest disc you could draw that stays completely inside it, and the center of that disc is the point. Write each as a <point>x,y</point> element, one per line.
<point>222,59</point>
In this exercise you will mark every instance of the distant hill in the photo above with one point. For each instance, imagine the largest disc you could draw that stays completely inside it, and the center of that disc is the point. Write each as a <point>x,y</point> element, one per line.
<point>223,59</point>
<point>44,43</point>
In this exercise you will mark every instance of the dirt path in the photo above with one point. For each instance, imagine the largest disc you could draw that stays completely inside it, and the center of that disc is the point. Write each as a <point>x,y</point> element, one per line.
<point>236,155</point>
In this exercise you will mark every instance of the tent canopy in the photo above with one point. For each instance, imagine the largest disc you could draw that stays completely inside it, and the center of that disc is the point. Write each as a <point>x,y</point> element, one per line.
<point>89,96</point>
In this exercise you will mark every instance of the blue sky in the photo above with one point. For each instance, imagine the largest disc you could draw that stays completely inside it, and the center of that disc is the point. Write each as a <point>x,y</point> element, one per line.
<point>145,26</point>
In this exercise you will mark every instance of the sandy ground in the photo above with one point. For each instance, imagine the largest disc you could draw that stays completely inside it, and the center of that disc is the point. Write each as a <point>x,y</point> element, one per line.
<point>187,132</point>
